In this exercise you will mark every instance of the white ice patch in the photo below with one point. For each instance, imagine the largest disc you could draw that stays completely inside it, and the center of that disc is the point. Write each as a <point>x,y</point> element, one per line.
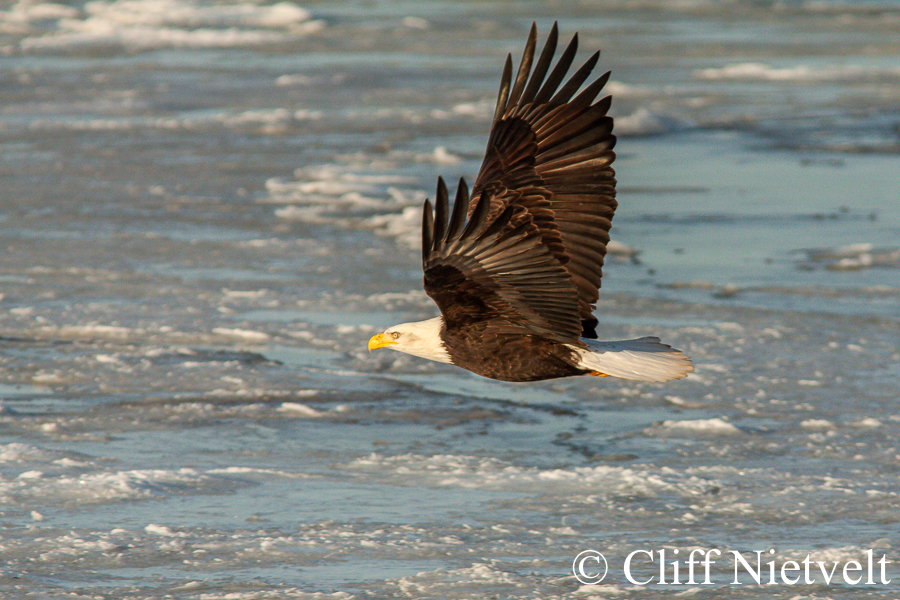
<point>92,331</point>
<point>816,424</point>
<point>405,226</point>
<point>302,79</point>
<point>618,89</point>
<point>300,410</point>
<point>244,294</point>
<point>31,475</point>
<point>266,121</point>
<point>852,257</point>
<point>483,109</point>
<point>449,583</point>
<point>149,24</point>
<point>443,157</point>
<point>763,72</point>
<point>93,487</point>
<point>645,122</point>
<point>255,471</point>
<point>715,426</point>
<point>364,192</point>
<point>394,300</point>
<point>494,474</point>
<point>244,335</point>
<point>359,194</point>
<point>162,530</point>
<point>18,452</point>
<point>614,247</point>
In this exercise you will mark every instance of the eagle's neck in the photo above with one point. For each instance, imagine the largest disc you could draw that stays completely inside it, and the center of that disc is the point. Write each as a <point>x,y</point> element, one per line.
<point>425,340</point>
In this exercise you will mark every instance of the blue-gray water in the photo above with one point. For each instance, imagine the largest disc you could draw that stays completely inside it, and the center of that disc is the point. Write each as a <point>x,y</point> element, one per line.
<point>208,207</point>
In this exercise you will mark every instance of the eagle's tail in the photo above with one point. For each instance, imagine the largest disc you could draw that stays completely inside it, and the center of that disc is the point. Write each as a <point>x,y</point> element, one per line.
<point>643,359</point>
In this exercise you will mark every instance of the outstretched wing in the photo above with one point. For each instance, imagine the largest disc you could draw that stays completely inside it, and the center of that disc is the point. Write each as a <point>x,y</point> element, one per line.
<point>495,273</point>
<point>550,152</point>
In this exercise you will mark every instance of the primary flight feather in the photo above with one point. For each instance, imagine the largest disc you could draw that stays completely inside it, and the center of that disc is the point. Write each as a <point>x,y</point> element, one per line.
<point>516,268</point>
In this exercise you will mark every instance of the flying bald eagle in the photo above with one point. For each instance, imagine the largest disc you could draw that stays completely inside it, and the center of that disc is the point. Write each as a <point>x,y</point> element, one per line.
<point>515,269</point>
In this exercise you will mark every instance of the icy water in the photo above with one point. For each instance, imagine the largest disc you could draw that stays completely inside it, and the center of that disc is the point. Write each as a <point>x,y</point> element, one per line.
<point>207,208</point>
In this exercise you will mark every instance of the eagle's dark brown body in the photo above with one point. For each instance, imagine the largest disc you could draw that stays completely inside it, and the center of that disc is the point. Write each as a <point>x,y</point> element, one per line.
<point>509,357</point>
<point>476,318</point>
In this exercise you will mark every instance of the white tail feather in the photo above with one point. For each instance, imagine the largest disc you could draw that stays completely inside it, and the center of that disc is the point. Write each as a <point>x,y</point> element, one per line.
<point>643,359</point>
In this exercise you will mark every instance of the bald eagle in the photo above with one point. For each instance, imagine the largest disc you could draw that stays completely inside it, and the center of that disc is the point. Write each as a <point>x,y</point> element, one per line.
<point>515,269</point>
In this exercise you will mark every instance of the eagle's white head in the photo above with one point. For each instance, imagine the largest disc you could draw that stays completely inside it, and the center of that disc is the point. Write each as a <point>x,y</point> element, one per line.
<point>422,338</point>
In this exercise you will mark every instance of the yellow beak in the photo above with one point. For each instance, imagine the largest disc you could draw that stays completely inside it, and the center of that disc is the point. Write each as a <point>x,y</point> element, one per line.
<point>378,341</point>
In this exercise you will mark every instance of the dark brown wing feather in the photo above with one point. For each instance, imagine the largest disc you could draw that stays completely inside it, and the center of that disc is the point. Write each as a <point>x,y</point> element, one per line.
<point>494,273</point>
<point>551,153</point>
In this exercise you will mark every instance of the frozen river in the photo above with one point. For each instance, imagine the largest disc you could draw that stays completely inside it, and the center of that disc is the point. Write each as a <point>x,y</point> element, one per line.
<point>207,208</point>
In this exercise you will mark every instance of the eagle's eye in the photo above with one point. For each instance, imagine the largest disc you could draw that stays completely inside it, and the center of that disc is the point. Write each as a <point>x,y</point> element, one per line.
<point>395,335</point>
